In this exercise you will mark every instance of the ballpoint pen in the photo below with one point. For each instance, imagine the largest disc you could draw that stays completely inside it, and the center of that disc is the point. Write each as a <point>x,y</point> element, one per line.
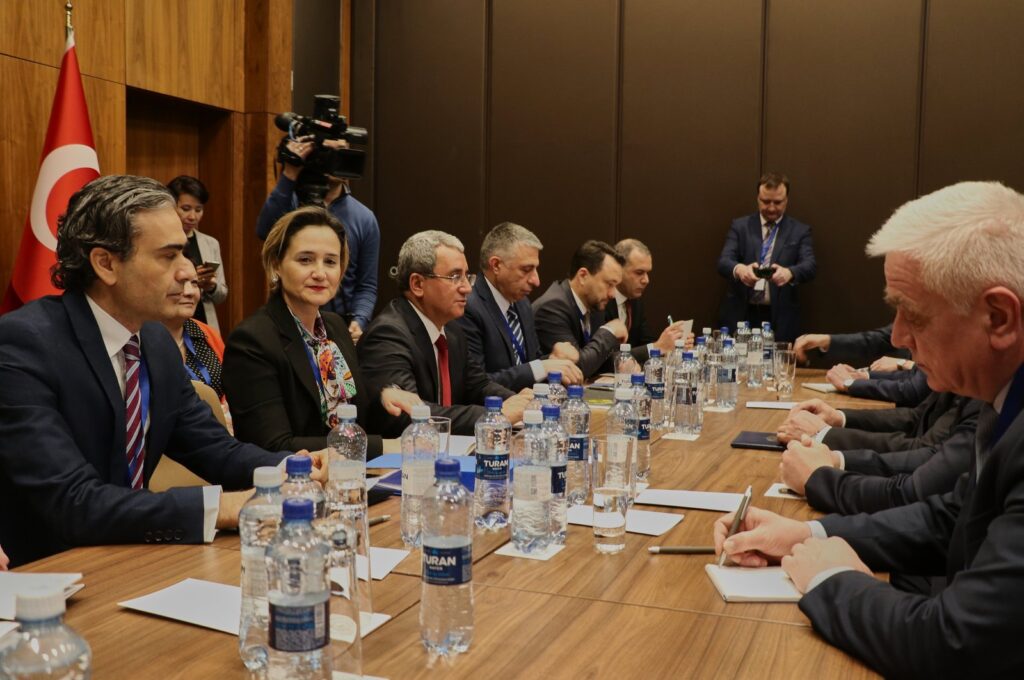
<point>737,520</point>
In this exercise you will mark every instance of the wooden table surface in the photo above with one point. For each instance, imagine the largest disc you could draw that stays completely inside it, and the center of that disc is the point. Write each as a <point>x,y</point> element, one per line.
<point>579,615</point>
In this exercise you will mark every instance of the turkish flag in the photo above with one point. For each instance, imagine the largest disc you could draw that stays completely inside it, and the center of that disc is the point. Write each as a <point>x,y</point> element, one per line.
<point>67,164</point>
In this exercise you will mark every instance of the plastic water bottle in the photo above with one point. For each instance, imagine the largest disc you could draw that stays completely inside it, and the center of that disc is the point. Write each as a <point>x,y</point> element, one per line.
<point>541,396</point>
<point>755,358</point>
<point>558,462</point>
<point>446,602</point>
<point>45,646</point>
<point>258,523</point>
<point>675,360</point>
<point>531,508</point>
<point>768,370</point>
<point>556,391</point>
<point>299,484</point>
<point>727,386</point>
<point>624,365</point>
<point>420,445</point>
<point>712,361</point>
<point>493,445</point>
<point>346,645</point>
<point>706,333</point>
<point>642,404</point>
<point>654,379</point>
<point>299,592</point>
<point>530,445</point>
<point>622,419</point>
<point>742,338</point>
<point>700,349</point>
<point>576,422</point>
<point>689,402</point>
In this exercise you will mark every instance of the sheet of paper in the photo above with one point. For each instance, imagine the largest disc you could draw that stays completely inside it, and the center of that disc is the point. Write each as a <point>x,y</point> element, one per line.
<point>687,327</point>
<point>509,550</point>
<point>719,409</point>
<point>13,582</point>
<point>7,627</point>
<point>740,584</point>
<point>680,437</point>
<point>827,388</point>
<point>698,500</point>
<point>393,461</point>
<point>637,521</point>
<point>201,603</point>
<point>780,490</point>
<point>774,405</point>
<point>382,560</point>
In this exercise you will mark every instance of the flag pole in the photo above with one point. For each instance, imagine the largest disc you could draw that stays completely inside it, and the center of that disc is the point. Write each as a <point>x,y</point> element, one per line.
<point>68,28</point>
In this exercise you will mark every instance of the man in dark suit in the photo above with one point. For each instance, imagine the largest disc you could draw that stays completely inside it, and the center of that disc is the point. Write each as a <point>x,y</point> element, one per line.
<point>767,240</point>
<point>629,307</point>
<point>573,310</point>
<point>415,344</point>
<point>861,348</point>
<point>498,321</point>
<point>952,274</point>
<point>93,393</point>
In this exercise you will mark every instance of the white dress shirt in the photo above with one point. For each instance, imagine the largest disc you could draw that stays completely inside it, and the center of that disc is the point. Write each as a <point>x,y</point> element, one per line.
<point>537,366</point>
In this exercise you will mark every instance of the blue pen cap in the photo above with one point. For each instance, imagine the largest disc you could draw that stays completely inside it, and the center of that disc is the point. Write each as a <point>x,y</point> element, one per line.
<point>492,403</point>
<point>446,468</point>
<point>294,509</point>
<point>554,376</point>
<point>575,391</point>
<point>636,379</point>
<point>297,465</point>
<point>655,352</point>
<point>551,411</point>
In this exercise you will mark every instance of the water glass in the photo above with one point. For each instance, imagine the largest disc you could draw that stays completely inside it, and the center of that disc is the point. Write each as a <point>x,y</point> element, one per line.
<point>610,507</point>
<point>443,426</point>
<point>614,484</point>
<point>785,372</point>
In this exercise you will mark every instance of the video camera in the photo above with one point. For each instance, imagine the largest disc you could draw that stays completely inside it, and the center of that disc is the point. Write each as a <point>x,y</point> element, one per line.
<point>324,125</point>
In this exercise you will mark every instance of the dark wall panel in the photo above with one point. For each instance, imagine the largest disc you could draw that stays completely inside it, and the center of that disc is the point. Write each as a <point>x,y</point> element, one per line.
<point>841,115</point>
<point>429,131</point>
<point>691,125</point>
<point>973,118</point>
<point>553,122</point>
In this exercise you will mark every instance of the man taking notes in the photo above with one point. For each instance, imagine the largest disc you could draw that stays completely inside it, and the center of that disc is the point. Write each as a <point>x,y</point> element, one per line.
<point>953,275</point>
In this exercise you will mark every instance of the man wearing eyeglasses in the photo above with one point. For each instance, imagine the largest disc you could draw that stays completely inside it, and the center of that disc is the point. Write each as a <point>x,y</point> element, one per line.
<point>415,344</point>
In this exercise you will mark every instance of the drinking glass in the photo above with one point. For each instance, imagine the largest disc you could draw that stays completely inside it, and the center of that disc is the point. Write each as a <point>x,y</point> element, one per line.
<point>443,426</point>
<point>614,484</point>
<point>785,372</point>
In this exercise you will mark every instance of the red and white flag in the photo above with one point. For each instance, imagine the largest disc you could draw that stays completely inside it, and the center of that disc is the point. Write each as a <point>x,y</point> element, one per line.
<point>67,164</point>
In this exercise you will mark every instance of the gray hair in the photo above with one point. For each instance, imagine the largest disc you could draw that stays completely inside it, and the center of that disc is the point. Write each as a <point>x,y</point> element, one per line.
<point>101,215</point>
<point>503,238</point>
<point>626,246</point>
<point>966,237</point>
<point>419,254</point>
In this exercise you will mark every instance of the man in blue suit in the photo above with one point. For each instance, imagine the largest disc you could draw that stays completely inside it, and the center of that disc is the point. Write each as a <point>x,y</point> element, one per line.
<point>498,322</point>
<point>93,392</point>
<point>766,255</point>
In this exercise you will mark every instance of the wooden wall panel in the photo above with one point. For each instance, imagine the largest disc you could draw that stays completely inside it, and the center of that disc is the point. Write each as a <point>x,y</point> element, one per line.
<point>442,69</point>
<point>192,49</point>
<point>841,120</point>
<point>34,30</point>
<point>162,137</point>
<point>553,111</point>
<point>268,55</point>
<point>691,133</point>
<point>973,101</point>
<point>363,53</point>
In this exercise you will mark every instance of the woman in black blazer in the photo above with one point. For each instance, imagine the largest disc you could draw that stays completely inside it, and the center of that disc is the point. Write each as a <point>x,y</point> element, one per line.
<point>289,366</point>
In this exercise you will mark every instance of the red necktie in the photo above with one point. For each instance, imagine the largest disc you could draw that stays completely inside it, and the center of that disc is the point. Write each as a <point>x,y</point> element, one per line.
<point>133,413</point>
<point>442,370</point>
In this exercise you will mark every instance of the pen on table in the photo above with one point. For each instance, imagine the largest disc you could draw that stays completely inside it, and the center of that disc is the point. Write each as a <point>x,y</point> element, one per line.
<point>789,492</point>
<point>670,321</point>
<point>737,520</point>
<point>682,549</point>
<point>374,521</point>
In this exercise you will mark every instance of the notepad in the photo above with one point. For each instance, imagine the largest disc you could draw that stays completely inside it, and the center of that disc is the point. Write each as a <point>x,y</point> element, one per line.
<point>780,490</point>
<point>698,500</point>
<point>11,583</point>
<point>773,405</point>
<point>827,388</point>
<point>742,584</point>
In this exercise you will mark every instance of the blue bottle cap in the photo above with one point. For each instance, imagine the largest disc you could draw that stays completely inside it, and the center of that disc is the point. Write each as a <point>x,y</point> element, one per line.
<point>297,509</point>
<point>575,391</point>
<point>688,356</point>
<point>551,411</point>
<point>298,465</point>
<point>655,352</point>
<point>492,403</point>
<point>636,379</point>
<point>724,329</point>
<point>554,376</point>
<point>728,342</point>
<point>701,340</point>
<point>446,468</point>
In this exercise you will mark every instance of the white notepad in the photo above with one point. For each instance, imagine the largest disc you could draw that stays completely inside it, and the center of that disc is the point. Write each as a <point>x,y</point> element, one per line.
<point>11,583</point>
<point>716,501</point>
<point>773,405</point>
<point>743,584</point>
<point>827,388</point>
<point>637,521</point>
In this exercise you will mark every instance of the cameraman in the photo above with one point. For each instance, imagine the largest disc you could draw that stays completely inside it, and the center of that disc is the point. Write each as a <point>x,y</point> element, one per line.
<point>357,294</point>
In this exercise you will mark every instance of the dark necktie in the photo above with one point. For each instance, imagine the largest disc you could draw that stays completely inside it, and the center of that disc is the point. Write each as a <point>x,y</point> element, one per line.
<point>442,370</point>
<point>759,297</point>
<point>628,305</point>
<point>517,332</point>
<point>134,442</point>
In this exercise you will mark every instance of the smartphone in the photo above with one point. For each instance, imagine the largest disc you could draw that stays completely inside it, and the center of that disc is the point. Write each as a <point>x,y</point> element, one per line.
<point>212,264</point>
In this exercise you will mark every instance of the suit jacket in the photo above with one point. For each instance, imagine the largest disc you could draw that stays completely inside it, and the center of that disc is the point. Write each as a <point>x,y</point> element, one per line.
<point>396,350</point>
<point>793,249</point>
<point>858,349</point>
<point>897,429</point>
<point>209,250</point>
<point>975,535</point>
<point>639,334</point>
<point>274,397</point>
<point>848,491</point>
<point>903,388</point>
<point>557,318</point>
<point>63,468</point>
<point>488,340</point>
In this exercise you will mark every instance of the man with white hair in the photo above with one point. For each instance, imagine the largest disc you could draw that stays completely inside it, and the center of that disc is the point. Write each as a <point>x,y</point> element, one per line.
<point>415,345</point>
<point>954,269</point>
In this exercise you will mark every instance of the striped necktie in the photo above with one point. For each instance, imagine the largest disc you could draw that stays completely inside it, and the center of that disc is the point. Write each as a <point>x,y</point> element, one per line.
<point>135,441</point>
<point>517,332</point>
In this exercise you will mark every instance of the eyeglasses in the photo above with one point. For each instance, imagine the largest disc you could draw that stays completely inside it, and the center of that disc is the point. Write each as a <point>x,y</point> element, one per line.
<point>455,278</point>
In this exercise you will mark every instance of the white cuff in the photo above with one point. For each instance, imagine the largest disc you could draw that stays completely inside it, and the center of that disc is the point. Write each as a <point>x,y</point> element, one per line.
<point>211,508</point>
<point>539,374</point>
<point>817,531</point>
<point>843,414</point>
<point>820,437</point>
<point>820,577</point>
<point>842,459</point>
<point>650,346</point>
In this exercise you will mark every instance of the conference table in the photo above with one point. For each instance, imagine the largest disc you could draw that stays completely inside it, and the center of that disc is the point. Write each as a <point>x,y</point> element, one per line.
<point>580,614</point>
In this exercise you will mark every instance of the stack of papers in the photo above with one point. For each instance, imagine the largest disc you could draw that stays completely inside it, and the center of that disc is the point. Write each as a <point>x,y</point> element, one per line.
<point>741,584</point>
<point>821,387</point>
<point>11,583</point>
<point>774,405</point>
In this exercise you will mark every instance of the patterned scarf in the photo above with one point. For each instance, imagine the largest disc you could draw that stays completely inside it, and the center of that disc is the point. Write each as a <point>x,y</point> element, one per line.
<point>336,383</point>
<point>203,356</point>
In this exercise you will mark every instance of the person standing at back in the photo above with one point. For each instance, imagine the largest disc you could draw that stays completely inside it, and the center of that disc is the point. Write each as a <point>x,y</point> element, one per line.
<point>203,250</point>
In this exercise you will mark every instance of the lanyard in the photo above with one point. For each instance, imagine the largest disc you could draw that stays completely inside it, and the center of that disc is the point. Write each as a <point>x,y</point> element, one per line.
<point>766,246</point>
<point>204,376</point>
<point>1011,407</point>
<point>512,336</point>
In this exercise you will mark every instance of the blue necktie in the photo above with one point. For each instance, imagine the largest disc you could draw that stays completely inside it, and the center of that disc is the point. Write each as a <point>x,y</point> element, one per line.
<point>517,332</point>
